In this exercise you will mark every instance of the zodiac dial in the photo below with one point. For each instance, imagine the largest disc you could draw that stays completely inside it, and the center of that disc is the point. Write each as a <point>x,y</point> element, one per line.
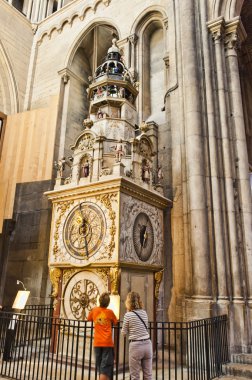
<point>84,230</point>
<point>143,236</point>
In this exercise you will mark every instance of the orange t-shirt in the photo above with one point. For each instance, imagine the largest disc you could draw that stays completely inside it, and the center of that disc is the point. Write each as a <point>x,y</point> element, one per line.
<point>103,319</point>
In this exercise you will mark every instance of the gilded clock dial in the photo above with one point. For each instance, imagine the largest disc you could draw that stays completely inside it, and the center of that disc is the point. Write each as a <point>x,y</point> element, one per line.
<point>143,236</point>
<point>84,230</point>
<point>81,293</point>
<point>83,298</point>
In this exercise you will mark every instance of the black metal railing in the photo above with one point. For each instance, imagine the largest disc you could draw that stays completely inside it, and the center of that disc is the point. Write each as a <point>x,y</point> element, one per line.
<point>42,348</point>
<point>41,310</point>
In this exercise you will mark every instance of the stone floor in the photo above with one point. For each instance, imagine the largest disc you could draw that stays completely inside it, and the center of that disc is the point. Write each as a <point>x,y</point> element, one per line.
<point>239,369</point>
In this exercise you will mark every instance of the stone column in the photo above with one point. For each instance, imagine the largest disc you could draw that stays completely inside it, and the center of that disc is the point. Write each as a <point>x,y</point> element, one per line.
<point>218,239</point>
<point>195,163</point>
<point>132,42</point>
<point>217,29</point>
<point>29,9</point>
<point>59,4</point>
<point>43,8</point>
<point>235,34</point>
<point>35,11</point>
<point>65,99</point>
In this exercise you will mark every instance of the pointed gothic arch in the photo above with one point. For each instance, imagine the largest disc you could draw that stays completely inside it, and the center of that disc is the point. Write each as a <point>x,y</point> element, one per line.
<point>9,102</point>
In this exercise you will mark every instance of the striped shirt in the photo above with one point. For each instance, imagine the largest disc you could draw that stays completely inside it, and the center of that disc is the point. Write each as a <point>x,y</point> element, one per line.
<point>134,327</point>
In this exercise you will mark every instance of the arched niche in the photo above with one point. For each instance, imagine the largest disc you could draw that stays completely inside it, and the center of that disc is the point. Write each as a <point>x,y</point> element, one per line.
<point>245,67</point>
<point>228,9</point>
<point>84,59</point>
<point>151,68</point>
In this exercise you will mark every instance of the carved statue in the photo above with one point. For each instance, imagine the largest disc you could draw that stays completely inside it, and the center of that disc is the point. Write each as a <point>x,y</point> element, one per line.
<point>55,274</point>
<point>146,171</point>
<point>60,166</point>
<point>85,169</point>
<point>119,151</point>
<point>160,175</point>
<point>143,127</point>
<point>87,123</point>
<point>114,279</point>
<point>158,279</point>
<point>99,114</point>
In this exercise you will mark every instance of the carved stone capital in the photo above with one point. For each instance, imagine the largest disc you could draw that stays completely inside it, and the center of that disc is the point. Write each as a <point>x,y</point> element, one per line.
<point>106,2</point>
<point>165,21</point>
<point>232,41</point>
<point>235,34</point>
<point>65,78</point>
<point>133,39</point>
<point>217,28</point>
<point>166,60</point>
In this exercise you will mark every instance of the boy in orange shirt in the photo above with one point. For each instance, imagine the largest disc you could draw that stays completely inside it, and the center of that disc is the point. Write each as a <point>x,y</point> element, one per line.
<point>103,342</point>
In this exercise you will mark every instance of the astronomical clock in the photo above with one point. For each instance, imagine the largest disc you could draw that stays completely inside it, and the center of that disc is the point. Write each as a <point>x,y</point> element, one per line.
<point>108,204</point>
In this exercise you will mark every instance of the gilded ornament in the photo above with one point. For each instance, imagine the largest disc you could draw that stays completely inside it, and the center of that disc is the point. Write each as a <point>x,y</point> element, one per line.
<point>61,207</point>
<point>114,279</point>
<point>55,274</point>
<point>106,200</point>
<point>67,274</point>
<point>103,273</point>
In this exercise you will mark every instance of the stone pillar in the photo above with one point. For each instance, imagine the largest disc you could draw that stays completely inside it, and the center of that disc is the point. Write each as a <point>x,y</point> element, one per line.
<point>195,166</point>
<point>59,4</point>
<point>35,13</point>
<point>235,34</point>
<point>132,60</point>
<point>65,99</point>
<point>43,8</point>
<point>219,261</point>
<point>217,29</point>
<point>29,9</point>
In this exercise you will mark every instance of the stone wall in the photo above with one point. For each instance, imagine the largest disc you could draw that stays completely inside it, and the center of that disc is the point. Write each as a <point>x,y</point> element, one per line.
<point>15,50</point>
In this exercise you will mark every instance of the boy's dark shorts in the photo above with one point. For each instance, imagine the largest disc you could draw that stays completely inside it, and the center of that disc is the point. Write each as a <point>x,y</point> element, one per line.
<point>105,360</point>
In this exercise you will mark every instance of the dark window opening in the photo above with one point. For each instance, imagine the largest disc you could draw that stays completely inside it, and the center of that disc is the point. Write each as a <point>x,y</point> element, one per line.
<point>18,4</point>
<point>55,6</point>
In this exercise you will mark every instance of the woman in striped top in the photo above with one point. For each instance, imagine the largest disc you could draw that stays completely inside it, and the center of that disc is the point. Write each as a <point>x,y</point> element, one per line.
<point>135,324</point>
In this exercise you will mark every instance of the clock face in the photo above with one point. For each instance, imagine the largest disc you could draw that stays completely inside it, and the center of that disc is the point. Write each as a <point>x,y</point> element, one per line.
<point>84,230</point>
<point>81,295</point>
<point>143,236</point>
